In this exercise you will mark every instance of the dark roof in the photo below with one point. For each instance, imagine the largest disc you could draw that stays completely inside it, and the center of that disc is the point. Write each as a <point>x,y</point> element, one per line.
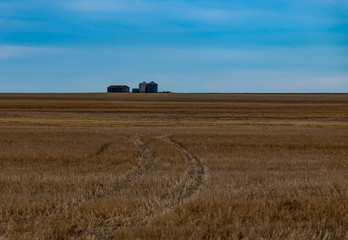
<point>117,86</point>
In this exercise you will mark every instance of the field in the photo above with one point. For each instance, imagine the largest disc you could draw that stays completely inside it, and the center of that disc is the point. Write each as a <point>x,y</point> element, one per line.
<point>173,166</point>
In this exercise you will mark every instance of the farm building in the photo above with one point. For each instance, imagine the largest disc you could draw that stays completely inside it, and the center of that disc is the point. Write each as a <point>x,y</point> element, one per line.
<point>150,87</point>
<point>142,87</point>
<point>118,89</point>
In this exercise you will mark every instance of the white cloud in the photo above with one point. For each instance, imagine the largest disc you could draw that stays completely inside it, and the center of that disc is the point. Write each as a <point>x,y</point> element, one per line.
<point>93,6</point>
<point>15,51</point>
<point>96,6</point>
<point>324,82</point>
<point>159,10</point>
<point>202,12</point>
<point>325,3</point>
<point>211,15</point>
<point>262,81</point>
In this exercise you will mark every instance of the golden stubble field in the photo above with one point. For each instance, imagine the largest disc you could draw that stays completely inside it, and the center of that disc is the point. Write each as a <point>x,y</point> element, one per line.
<point>173,166</point>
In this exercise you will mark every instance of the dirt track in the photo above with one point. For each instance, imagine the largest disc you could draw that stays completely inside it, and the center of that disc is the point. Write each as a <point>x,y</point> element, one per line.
<point>187,186</point>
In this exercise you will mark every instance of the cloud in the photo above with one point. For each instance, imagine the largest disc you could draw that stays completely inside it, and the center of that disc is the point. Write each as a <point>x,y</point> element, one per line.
<point>211,15</point>
<point>97,5</point>
<point>178,23</point>
<point>183,10</point>
<point>266,80</point>
<point>14,51</point>
<point>326,3</point>
<point>324,82</point>
<point>205,12</point>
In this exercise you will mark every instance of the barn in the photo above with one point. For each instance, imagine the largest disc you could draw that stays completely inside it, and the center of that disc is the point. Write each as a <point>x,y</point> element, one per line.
<point>118,89</point>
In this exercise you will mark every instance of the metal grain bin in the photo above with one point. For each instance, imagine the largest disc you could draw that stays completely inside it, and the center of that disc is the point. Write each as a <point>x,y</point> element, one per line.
<point>152,87</point>
<point>142,87</point>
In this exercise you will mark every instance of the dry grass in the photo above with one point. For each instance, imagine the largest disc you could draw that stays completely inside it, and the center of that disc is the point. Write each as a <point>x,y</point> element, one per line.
<point>95,166</point>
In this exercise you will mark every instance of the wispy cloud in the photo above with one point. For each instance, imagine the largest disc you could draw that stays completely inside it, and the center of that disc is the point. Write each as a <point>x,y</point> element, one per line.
<point>168,22</point>
<point>14,51</point>
<point>205,12</point>
<point>213,15</point>
<point>98,5</point>
<point>160,9</point>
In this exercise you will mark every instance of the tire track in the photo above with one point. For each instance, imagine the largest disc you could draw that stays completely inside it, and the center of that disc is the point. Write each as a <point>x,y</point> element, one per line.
<point>189,185</point>
<point>146,162</point>
<point>103,148</point>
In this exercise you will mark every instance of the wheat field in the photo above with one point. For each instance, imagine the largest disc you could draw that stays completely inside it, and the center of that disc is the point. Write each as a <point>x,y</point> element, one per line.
<point>173,166</point>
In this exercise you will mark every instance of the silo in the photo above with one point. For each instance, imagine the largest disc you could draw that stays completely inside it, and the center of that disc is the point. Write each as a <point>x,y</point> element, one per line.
<point>142,87</point>
<point>152,87</point>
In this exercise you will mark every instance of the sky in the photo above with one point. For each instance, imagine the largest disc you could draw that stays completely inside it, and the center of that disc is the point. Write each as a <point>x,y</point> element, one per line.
<point>183,45</point>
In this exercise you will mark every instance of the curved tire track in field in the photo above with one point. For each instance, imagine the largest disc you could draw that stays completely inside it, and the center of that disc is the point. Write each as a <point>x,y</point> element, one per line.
<point>145,164</point>
<point>190,184</point>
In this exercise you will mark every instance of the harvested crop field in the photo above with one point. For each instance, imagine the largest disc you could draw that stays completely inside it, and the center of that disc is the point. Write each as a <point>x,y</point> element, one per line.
<point>173,166</point>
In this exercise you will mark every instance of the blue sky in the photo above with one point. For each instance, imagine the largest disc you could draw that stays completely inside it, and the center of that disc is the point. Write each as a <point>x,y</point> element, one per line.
<point>185,46</point>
